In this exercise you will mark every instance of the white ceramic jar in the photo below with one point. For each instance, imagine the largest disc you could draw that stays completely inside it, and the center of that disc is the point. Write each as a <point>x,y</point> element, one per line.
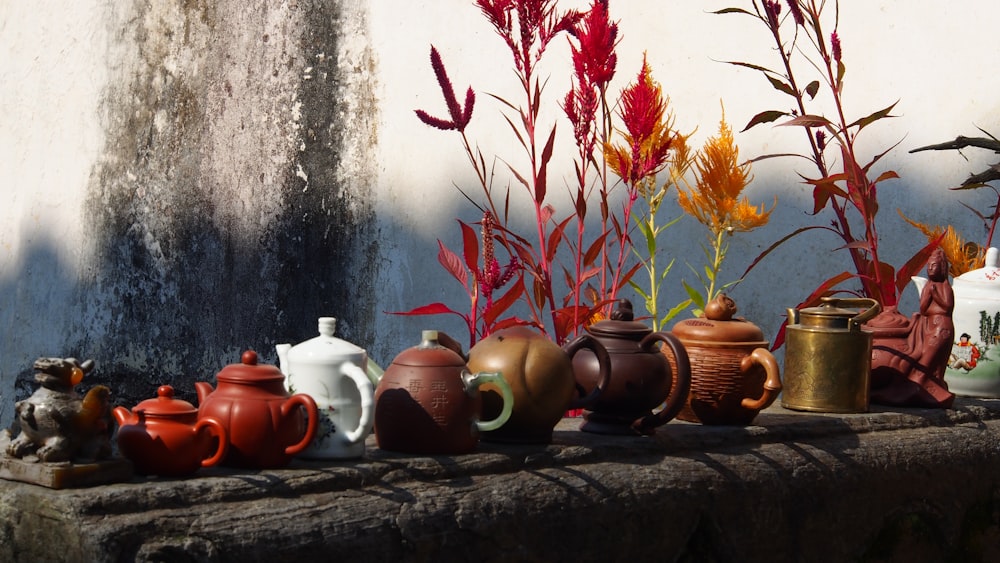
<point>974,366</point>
<point>341,379</point>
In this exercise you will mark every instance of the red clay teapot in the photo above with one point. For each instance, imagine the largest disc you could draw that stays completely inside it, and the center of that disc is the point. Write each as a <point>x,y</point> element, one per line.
<point>164,436</point>
<point>428,402</point>
<point>541,375</point>
<point>266,426</point>
<point>641,377</point>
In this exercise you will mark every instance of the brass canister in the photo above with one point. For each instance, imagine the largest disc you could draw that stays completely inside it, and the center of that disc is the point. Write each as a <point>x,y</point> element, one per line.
<point>828,356</point>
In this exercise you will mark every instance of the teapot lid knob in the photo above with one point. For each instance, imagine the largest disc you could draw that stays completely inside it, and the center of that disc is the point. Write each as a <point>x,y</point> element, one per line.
<point>249,358</point>
<point>327,326</point>
<point>165,392</point>
<point>429,337</point>
<point>992,258</point>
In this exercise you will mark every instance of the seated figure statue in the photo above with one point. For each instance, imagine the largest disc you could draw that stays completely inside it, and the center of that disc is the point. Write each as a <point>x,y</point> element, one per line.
<point>909,356</point>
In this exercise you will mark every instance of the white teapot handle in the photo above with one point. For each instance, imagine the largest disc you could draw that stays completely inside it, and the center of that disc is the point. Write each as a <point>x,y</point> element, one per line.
<point>367,391</point>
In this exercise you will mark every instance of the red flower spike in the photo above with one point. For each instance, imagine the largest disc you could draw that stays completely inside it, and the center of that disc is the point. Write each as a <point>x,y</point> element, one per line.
<point>459,117</point>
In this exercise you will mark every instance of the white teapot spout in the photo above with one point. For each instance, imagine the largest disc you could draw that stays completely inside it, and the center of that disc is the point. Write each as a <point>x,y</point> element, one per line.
<point>282,350</point>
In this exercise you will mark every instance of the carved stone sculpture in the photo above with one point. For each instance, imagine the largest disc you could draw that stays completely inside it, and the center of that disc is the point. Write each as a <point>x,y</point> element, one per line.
<point>56,423</point>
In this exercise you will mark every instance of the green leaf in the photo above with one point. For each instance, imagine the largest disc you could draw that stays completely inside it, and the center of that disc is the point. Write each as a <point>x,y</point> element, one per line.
<point>676,310</point>
<point>764,117</point>
<point>695,296</point>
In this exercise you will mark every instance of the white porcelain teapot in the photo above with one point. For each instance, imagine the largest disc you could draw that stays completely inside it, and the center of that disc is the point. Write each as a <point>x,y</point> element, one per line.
<point>341,379</point>
<point>974,367</point>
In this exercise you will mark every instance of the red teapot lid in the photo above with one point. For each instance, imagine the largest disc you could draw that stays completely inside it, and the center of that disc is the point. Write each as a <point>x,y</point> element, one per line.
<point>165,405</point>
<point>718,325</point>
<point>430,353</point>
<point>248,371</point>
<point>621,324</point>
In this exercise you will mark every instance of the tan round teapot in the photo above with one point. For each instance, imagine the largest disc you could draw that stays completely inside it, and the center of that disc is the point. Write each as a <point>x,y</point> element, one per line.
<point>641,377</point>
<point>733,374</point>
<point>428,402</point>
<point>266,426</point>
<point>540,374</point>
<point>164,436</point>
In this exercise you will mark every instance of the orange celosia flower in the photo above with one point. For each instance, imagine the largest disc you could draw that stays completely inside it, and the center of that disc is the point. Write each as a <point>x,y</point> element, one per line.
<point>962,256</point>
<point>715,199</point>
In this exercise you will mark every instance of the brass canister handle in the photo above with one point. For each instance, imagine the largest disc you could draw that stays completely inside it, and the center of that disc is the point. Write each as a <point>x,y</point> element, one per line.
<point>870,306</point>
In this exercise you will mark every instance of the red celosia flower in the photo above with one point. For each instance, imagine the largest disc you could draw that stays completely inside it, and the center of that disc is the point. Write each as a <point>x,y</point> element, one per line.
<point>647,135</point>
<point>459,117</point>
<point>595,58</point>
<point>796,10</point>
<point>835,42</point>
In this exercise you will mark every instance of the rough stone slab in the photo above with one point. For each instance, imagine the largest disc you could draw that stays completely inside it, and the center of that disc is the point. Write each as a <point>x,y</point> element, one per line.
<point>908,485</point>
<point>63,475</point>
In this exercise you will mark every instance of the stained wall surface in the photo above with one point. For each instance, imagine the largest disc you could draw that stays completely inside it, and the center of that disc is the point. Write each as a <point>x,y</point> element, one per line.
<point>184,180</point>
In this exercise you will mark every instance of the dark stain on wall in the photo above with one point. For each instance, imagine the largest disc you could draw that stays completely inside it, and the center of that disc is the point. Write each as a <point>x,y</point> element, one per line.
<point>221,214</point>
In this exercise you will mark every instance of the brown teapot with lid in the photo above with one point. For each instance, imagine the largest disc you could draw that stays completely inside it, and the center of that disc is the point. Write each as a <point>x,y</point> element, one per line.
<point>266,426</point>
<point>164,436</point>
<point>641,377</point>
<point>542,377</point>
<point>733,375</point>
<point>428,402</point>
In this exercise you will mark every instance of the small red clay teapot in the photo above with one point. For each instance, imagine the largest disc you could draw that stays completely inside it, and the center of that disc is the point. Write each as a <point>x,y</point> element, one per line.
<point>428,402</point>
<point>641,377</point>
<point>266,426</point>
<point>164,436</point>
<point>733,375</point>
<point>541,375</point>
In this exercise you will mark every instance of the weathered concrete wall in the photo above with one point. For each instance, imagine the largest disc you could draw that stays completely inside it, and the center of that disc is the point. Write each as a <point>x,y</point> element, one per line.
<point>180,180</point>
<point>227,201</point>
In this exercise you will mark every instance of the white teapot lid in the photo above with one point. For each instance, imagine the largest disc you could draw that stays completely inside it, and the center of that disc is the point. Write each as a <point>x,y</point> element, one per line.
<point>989,273</point>
<point>325,347</point>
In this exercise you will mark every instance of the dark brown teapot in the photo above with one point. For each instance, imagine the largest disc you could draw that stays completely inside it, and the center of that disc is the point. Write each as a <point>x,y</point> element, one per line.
<point>733,375</point>
<point>541,376</point>
<point>428,402</point>
<point>641,377</point>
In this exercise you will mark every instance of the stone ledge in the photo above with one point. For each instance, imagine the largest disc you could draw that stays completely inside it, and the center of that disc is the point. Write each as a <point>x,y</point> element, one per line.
<point>907,484</point>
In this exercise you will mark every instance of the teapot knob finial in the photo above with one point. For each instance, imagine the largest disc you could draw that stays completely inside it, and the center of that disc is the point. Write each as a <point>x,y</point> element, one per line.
<point>623,311</point>
<point>327,326</point>
<point>249,358</point>
<point>165,392</point>
<point>992,257</point>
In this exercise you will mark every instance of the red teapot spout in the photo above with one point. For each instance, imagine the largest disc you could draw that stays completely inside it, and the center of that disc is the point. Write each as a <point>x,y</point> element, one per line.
<point>203,389</point>
<point>123,416</point>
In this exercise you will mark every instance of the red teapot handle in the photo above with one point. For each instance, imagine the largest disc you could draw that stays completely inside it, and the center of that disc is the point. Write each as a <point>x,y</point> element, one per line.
<point>214,428</point>
<point>678,391</point>
<point>307,402</point>
<point>587,341</point>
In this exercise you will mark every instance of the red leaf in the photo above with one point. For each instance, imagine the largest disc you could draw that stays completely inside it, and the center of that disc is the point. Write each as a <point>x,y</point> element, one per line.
<point>432,309</point>
<point>764,117</point>
<point>555,237</point>
<point>807,121</point>
<point>546,157</point>
<point>470,245</point>
<point>916,263</point>
<point>501,305</point>
<point>453,264</point>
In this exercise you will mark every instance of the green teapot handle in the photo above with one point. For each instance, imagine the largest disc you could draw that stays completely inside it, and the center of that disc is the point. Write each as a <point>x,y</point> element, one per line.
<point>472,383</point>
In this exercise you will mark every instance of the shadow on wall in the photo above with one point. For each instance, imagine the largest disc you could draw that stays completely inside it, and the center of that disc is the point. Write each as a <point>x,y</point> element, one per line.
<point>219,217</point>
<point>37,312</point>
